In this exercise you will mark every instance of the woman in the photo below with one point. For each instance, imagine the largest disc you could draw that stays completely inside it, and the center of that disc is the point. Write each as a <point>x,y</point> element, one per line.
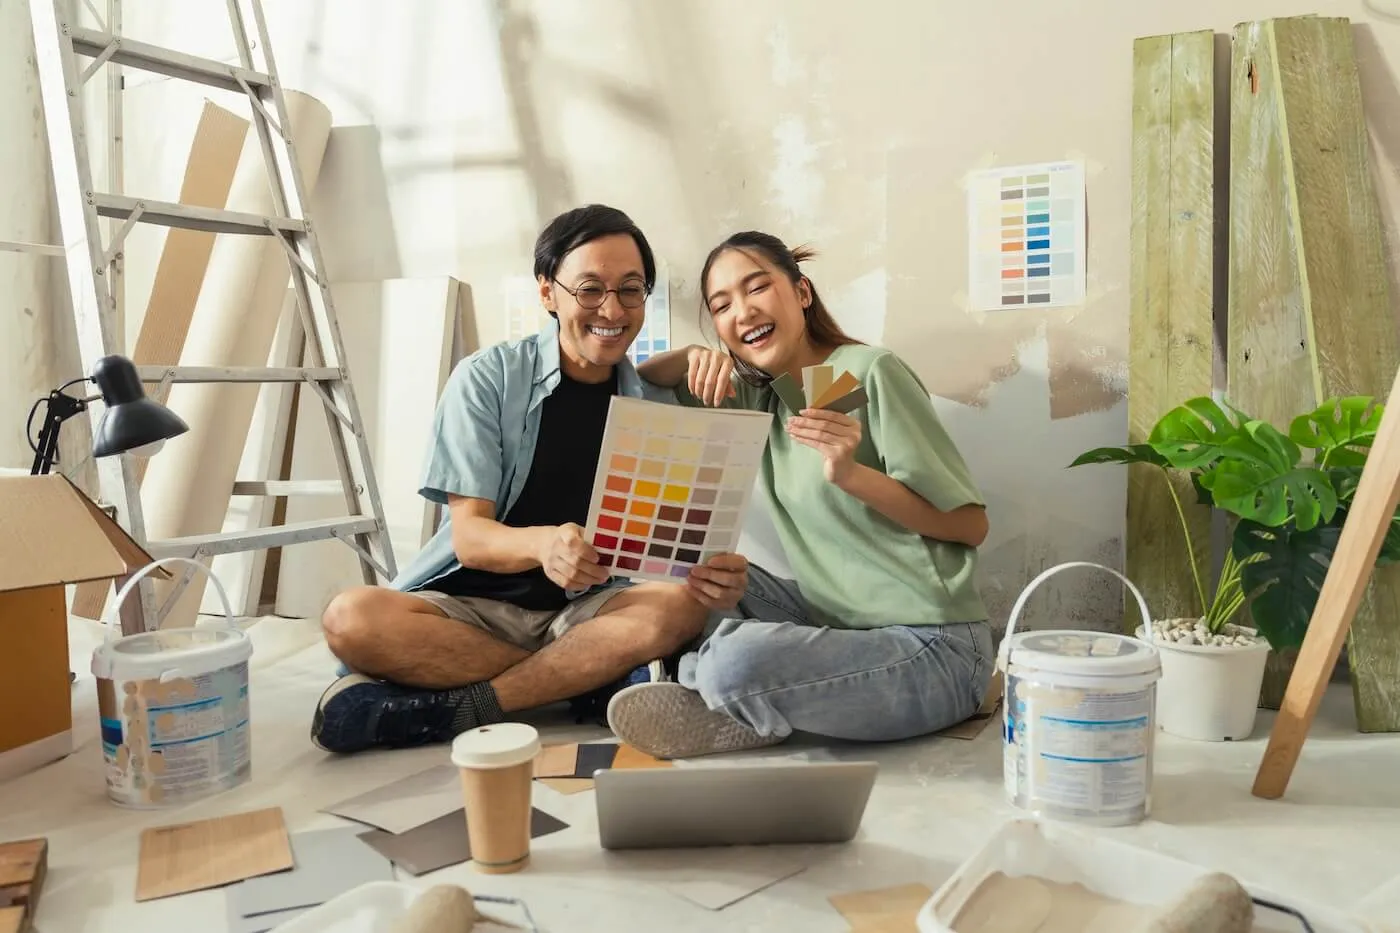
<point>883,635</point>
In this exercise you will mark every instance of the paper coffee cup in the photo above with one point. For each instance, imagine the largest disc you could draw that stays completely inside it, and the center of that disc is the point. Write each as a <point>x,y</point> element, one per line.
<point>497,768</point>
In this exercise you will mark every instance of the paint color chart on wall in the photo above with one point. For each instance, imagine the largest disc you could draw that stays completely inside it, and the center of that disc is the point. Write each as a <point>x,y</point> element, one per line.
<point>673,486</point>
<point>1026,236</point>
<point>524,314</point>
<point>655,335</point>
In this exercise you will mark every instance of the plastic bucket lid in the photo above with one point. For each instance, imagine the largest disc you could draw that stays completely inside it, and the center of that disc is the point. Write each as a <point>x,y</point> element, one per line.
<point>182,652</point>
<point>502,745</point>
<point>1084,654</point>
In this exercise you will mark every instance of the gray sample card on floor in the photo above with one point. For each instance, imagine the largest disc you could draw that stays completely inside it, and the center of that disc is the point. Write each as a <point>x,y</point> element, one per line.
<point>412,801</point>
<point>329,862</point>
<point>443,842</point>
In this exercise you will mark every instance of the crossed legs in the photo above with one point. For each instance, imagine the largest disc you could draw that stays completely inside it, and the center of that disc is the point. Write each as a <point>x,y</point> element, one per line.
<point>439,676</point>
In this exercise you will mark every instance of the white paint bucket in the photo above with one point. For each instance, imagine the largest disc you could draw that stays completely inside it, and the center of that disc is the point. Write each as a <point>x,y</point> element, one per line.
<point>1210,692</point>
<point>174,708</point>
<point>1079,718</point>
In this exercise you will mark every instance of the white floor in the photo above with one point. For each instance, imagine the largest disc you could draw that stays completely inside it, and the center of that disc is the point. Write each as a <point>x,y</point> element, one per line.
<point>1333,840</point>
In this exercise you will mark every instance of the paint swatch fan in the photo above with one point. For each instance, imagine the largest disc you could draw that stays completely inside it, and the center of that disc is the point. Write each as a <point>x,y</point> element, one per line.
<point>821,388</point>
<point>673,486</point>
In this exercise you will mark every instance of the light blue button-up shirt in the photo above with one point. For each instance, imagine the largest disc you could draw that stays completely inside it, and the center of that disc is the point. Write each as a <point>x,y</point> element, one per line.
<point>484,435</point>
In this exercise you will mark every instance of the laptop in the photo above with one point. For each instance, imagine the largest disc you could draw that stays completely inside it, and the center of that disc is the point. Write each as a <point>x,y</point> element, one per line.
<point>732,805</point>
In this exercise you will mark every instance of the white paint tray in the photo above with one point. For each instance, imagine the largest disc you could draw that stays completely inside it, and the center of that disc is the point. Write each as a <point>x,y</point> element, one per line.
<point>377,906</point>
<point>1114,869</point>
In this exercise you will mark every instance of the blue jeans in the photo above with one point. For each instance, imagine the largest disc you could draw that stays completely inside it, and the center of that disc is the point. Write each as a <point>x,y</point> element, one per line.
<point>777,671</point>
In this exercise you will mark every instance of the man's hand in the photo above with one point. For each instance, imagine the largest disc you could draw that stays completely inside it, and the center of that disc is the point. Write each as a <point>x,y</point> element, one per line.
<point>720,582</point>
<point>569,560</point>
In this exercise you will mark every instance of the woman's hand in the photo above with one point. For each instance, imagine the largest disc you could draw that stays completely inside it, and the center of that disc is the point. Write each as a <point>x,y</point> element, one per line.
<point>831,434</point>
<point>719,583</point>
<point>708,375</point>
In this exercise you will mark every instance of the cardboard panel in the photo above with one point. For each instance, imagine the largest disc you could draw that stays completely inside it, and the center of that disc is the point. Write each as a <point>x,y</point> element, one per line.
<point>34,666</point>
<point>51,533</point>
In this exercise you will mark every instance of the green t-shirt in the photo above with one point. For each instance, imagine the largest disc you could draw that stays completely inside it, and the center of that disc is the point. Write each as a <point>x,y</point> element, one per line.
<point>856,567</point>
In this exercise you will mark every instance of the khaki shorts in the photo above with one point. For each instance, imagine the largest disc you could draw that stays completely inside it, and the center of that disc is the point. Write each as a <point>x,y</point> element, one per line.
<point>528,629</point>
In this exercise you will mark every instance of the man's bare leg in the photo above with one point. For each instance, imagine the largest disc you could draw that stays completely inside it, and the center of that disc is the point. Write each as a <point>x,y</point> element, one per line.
<point>400,638</point>
<point>638,625</point>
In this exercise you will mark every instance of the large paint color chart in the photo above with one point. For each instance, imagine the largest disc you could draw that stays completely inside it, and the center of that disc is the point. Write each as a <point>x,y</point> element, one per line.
<point>655,335</point>
<point>673,486</point>
<point>1026,229</point>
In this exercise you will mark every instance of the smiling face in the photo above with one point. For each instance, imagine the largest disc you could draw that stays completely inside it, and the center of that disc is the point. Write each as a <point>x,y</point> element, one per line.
<point>758,312</point>
<point>592,340</point>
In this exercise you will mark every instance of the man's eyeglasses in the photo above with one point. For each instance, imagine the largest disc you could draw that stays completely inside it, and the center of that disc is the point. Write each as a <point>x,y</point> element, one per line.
<point>591,295</point>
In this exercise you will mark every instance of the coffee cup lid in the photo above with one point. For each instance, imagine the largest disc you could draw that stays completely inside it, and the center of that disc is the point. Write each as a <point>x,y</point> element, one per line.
<point>501,745</point>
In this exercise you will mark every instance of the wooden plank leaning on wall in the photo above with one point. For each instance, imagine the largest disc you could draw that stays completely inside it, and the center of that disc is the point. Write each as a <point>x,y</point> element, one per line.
<point>1170,331</point>
<point>1310,307</point>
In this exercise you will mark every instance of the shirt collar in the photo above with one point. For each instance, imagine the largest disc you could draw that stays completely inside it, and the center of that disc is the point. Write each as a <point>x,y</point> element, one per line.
<point>547,363</point>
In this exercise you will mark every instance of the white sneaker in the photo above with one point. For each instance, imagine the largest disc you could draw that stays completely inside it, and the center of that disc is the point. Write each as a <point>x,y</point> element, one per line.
<point>666,720</point>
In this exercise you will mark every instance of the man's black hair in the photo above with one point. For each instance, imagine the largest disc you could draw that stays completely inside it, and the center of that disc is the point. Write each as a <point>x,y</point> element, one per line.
<point>572,229</point>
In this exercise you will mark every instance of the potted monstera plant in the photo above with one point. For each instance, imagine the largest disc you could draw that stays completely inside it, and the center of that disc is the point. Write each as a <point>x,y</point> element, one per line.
<point>1290,494</point>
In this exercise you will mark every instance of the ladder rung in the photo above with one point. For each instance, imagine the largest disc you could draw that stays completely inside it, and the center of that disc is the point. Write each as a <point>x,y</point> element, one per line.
<point>44,249</point>
<point>169,214</point>
<point>238,373</point>
<point>233,542</point>
<point>289,487</point>
<point>147,57</point>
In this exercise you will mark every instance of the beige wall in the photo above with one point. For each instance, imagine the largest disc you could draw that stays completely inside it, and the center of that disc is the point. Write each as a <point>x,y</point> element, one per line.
<point>846,125</point>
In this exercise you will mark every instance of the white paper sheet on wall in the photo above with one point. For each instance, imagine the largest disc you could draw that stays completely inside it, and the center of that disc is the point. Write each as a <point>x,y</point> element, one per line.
<point>1026,237</point>
<point>655,335</point>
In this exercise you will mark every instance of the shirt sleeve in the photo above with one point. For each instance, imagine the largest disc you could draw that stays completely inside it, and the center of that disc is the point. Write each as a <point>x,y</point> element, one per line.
<point>465,453</point>
<point>911,441</point>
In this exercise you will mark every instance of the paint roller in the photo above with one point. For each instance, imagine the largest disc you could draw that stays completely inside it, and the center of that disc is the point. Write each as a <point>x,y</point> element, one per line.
<point>1216,903</point>
<point>451,908</point>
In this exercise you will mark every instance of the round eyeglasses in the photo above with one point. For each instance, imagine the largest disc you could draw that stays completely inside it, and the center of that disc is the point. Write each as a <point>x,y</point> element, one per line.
<point>591,295</point>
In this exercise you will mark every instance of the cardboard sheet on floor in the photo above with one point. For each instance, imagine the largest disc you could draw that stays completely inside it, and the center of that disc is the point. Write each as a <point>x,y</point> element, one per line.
<point>11,919</point>
<point>443,842</point>
<point>884,910</point>
<point>210,853</point>
<point>569,768</point>
<point>329,862</point>
<point>972,727</point>
<point>401,805</point>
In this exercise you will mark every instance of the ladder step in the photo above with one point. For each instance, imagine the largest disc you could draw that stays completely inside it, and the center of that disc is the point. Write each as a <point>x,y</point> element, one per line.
<point>44,249</point>
<point>289,487</point>
<point>211,220</point>
<point>238,373</point>
<point>233,542</point>
<point>147,57</point>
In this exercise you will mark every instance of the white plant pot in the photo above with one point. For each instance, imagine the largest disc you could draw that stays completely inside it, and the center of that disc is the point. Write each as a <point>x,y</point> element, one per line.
<point>1209,692</point>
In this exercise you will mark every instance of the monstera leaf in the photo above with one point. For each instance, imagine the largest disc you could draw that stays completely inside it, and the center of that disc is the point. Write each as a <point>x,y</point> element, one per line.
<point>1284,576</point>
<point>1337,427</point>
<point>1258,478</point>
<point>1134,453</point>
<point>1195,433</point>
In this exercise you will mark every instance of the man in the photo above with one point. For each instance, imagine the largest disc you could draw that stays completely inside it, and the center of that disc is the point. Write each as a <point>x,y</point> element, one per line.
<point>507,608</point>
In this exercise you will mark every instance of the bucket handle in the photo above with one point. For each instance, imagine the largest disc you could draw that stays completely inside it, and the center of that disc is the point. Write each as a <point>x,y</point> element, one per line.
<point>1003,657</point>
<point>135,578</point>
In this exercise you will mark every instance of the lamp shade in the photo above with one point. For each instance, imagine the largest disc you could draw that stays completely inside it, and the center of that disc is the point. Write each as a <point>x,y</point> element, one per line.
<point>131,420</point>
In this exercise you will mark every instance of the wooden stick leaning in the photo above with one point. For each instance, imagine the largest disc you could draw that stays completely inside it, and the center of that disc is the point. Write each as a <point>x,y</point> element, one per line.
<point>1377,494</point>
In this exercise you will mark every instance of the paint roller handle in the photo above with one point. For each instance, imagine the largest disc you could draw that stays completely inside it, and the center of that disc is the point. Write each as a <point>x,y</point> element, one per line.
<point>164,561</point>
<point>1004,653</point>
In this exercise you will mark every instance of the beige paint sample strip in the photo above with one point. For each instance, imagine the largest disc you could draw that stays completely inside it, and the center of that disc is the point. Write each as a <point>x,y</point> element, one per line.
<point>1310,299</point>
<point>885,909</point>
<point>815,381</point>
<point>209,853</point>
<point>218,139</point>
<point>846,383</point>
<point>1170,315</point>
<point>398,338</point>
<point>189,486</point>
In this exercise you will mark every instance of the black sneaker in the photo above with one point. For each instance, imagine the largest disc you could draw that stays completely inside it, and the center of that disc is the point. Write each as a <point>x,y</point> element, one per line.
<point>358,712</point>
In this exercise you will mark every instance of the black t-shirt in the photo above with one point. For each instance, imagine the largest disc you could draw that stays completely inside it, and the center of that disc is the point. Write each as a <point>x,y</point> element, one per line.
<point>557,490</point>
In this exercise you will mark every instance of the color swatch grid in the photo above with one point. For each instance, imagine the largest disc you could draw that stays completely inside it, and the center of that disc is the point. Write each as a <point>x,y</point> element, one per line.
<point>655,335</point>
<point>524,315</point>
<point>1027,236</point>
<point>673,486</point>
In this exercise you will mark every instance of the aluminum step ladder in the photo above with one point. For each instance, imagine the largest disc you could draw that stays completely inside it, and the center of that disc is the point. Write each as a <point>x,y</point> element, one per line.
<point>67,56</point>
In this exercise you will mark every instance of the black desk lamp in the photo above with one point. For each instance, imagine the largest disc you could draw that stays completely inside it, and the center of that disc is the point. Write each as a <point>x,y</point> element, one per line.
<point>131,421</point>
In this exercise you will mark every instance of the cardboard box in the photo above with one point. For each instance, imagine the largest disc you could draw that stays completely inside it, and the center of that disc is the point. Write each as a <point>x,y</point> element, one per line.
<point>51,535</point>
